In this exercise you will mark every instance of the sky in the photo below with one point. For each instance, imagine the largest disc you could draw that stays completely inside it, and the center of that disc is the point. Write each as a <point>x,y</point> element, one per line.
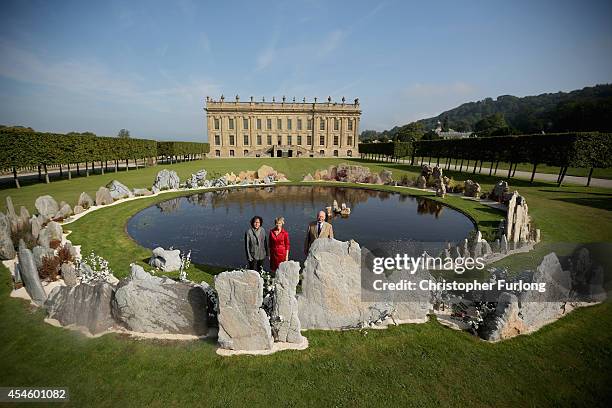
<point>147,67</point>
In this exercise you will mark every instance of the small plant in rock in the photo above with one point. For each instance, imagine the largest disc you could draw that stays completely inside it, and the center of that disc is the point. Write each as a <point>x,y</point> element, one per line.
<point>185,264</point>
<point>93,268</point>
<point>65,255</point>
<point>50,268</point>
<point>55,243</point>
<point>269,287</point>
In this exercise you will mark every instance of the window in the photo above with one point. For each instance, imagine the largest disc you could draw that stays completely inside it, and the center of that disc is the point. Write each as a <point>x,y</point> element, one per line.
<point>279,124</point>
<point>216,124</point>
<point>349,140</point>
<point>279,140</point>
<point>269,124</point>
<point>349,153</point>
<point>335,140</point>
<point>259,140</point>
<point>218,153</point>
<point>321,152</point>
<point>321,140</point>
<point>288,124</point>
<point>245,123</point>
<point>269,139</point>
<point>246,140</point>
<point>217,139</point>
<point>299,124</point>
<point>245,152</point>
<point>231,123</point>
<point>322,124</point>
<point>336,124</point>
<point>350,124</point>
<point>335,153</point>
<point>299,140</point>
<point>258,124</point>
<point>232,153</point>
<point>309,124</point>
<point>288,139</point>
<point>309,140</point>
<point>232,140</point>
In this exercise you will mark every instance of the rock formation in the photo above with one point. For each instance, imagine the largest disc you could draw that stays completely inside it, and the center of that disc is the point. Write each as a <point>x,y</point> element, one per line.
<point>46,206</point>
<point>7,249</point>
<point>166,180</point>
<point>471,189</point>
<point>118,190</point>
<point>85,201</point>
<point>103,196</point>
<point>166,260</point>
<point>285,320</point>
<point>29,275</point>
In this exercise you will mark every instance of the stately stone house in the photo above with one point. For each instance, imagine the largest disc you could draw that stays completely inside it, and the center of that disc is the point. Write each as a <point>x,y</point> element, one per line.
<point>282,129</point>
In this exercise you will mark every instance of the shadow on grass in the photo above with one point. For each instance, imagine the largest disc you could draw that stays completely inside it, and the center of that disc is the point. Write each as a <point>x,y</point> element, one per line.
<point>593,202</point>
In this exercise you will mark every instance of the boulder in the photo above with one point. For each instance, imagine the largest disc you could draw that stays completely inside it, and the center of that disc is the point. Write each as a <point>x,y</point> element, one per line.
<point>64,212</point>
<point>39,252</point>
<point>150,304</point>
<point>220,182</point>
<point>141,192</point>
<point>29,275</point>
<point>386,177</point>
<point>85,201</point>
<point>426,171</point>
<point>196,179</point>
<point>35,226</point>
<point>500,191</point>
<point>285,320</point>
<point>84,305</point>
<point>78,209</point>
<point>471,189</point>
<point>352,173</point>
<point>69,274</point>
<point>46,206</point>
<point>103,196</point>
<point>166,180</point>
<point>440,188</point>
<point>421,182</point>
<point>268,180</point>
<point>264,171</point>
<point>119,190</point>
<point>506,321</point>
<point>243,324</point>
<point>518,222</point>
<point>7,249</point>
<point>166,260</point>
<point>52,232</point>
<point>308,177</point>
<point>437,172</point>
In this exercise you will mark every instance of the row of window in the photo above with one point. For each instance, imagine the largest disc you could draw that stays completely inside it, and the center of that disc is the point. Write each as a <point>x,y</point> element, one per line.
<point>279,140</point>
<point>245,152</point>
<point>279,124</point>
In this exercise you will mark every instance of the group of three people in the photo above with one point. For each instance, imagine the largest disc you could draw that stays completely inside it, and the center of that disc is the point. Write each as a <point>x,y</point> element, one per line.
<point>275,244</point>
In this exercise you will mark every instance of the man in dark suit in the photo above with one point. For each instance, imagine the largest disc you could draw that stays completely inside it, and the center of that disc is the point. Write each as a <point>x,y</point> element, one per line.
<point>318,229</point>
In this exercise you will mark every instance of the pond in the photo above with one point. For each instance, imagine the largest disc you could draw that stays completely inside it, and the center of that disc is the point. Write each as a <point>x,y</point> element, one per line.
<point>212,224</point>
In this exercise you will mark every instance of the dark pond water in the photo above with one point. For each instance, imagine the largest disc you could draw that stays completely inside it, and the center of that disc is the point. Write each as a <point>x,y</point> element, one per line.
<point>212,224</point>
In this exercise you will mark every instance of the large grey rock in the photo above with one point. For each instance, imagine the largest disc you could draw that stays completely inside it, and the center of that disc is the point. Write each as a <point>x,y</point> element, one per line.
<point>150,304</point>
<point>285,320</point>
<point>7,250</point>
<point>82,305</point>
<point>103,196</point>
<point>471,189</point>
<point>118,190</point>
<point>166,180</point>
<point>352,173</point>
<point>243,324</point>
<point>540,308</point>
<point>29,275</point>
<point>421,182</point>
<point>46,206</point>
<point>500,191</point>
<point>53,231</point>
<point>64,212</point>
<point>78,209</point>
<point>506,321</point>
<point>220,182</point>
<point>85,201</point>
<point>40,252</point>
<point>166,260</point>
<point>196,179</point>
<point>69,274</point>
<point>518,222</point>
<point>23,221</point>
<point>385,176</point>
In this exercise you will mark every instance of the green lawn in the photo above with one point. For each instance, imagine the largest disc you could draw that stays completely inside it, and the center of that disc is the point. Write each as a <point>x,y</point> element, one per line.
<point>566,363</point>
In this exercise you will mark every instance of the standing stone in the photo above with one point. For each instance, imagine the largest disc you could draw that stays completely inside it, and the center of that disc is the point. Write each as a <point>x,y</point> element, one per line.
<point>500,191</point>
<point>82,305</point>
<point>46,206</point>
<point>78,209</point>
<point>308,177</point>
<point>486,248</point>
<point>421,182</point>
<point>243,324</point>
<point>119,190</point>
<point>29,275</point>
<point>506,321</point>
<point>64,212</point>
<point>7,250</point>
<point>53,231</point>
<point>35,226</point>
<point>166,260</point>
<point>285,320</point>
<point>69,274</point>
<point>23,221</point>
<point>504,244</point>
<point>165,180</point>
<point>103,196</point>
<point>39,253</point>
<point>150,304</point>
<point>10,208</point>
<point>85,201</point>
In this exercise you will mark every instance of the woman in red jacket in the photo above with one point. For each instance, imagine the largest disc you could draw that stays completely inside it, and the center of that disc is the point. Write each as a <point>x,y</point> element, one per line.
<point>278,243</point>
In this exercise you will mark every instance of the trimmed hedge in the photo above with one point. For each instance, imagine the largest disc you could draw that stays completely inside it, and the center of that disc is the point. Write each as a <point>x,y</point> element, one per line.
<point>181,148</point>
<point>388,149</point>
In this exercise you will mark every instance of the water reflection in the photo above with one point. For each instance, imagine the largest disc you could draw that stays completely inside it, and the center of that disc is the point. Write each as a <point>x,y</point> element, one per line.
<point>212,224</point>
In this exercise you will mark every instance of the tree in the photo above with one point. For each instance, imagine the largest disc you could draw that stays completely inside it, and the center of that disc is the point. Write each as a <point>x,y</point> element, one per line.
<point>123,134</point>
<point>410,132</point>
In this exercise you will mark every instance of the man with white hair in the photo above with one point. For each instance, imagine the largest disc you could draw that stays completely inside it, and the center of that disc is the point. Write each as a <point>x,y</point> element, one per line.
<point>318,229</point>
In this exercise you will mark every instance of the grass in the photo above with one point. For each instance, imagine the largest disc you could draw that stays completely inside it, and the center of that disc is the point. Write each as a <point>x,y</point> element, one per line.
<point>565,363</point>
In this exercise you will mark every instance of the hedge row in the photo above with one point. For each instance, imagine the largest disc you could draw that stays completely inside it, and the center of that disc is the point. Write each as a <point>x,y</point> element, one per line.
<point>585,150</point>
<point>25,148</point>
<point>181,148</point>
